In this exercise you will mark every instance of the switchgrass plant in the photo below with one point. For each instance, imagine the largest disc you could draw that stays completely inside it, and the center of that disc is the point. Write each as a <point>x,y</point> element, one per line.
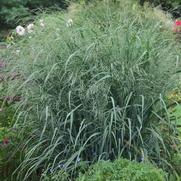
<point>94,88</point>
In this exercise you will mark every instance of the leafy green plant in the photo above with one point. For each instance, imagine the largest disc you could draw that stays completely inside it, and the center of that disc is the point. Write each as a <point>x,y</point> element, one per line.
<point>174,98</point>
<point>11,149</point>
<point>11,152</point>
<point>177,162</point>
<point>122,170</point>
<point>93,89</point>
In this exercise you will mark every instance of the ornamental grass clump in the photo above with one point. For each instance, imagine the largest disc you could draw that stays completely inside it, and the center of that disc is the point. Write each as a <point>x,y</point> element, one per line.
<point>95,89</point>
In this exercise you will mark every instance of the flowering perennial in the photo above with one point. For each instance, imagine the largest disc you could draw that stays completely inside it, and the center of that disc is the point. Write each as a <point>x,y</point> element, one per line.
<point>69,23</point>
<point>177,26</point>
<point>42,24</point>
<point>20,30</point>
<point>30,28</point>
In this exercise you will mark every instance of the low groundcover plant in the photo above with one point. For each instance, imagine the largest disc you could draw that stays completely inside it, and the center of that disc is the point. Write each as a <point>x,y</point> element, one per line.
<point>122,170</point>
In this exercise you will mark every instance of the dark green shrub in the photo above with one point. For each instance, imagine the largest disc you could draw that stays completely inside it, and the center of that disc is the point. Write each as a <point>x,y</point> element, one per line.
<point>11,152</point>
<point>13,12</point>
<point>173,6</point>
<point>122,170</point>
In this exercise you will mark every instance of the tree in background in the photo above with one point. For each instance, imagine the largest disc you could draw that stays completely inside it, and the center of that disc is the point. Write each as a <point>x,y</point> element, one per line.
<point>13,11</point>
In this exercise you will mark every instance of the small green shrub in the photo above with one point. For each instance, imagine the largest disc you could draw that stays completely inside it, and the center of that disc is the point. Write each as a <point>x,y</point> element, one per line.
<point>122,170</point>
<point>176,162</point>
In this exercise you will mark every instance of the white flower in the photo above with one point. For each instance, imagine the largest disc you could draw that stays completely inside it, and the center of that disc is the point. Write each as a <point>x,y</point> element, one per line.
<point>69,23</point>
<point>17,51</point>
<point>30,28</point>
<point>42,24</point>
<point>20,30</point>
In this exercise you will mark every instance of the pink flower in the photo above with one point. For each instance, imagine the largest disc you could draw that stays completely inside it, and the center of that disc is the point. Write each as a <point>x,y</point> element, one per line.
<point>6,141</point>
<point>178,23</point>
<point>177,26</point>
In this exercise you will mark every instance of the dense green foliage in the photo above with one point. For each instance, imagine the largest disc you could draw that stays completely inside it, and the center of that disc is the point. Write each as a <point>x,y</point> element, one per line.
<point>11,150</point>
<point>173,6</point>
<point>13,12</point>
<point>177,163</point>
<point>95,89</point>
<point>122,170</point>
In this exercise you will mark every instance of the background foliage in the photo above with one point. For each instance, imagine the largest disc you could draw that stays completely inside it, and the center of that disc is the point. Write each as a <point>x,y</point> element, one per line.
<point>173,6</point>
<point>13,12</point>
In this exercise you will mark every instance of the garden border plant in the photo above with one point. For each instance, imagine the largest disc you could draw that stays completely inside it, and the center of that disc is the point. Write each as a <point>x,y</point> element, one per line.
<point>122,170</point>
<point>95,89</point>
